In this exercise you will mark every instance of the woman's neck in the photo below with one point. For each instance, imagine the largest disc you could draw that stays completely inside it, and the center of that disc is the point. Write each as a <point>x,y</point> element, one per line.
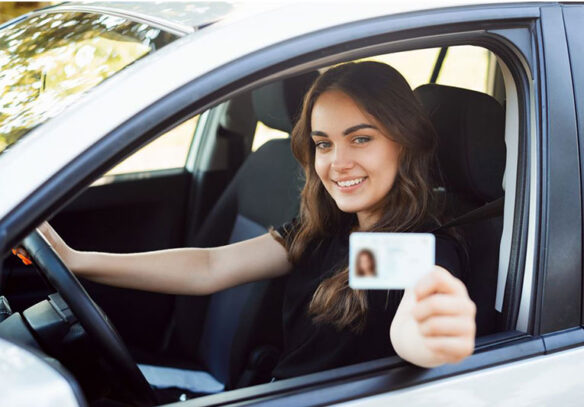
<point>367,219</point>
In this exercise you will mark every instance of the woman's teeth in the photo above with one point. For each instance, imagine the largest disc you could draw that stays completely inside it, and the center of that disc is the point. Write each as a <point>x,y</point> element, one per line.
<point>350,182</point>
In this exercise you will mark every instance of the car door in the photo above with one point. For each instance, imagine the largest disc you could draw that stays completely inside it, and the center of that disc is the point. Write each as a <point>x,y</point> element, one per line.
<point>541,293</point>
<point>541,290</point>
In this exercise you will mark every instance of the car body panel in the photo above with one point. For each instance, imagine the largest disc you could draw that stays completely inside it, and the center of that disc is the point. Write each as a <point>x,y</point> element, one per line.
<point>524,383</point>
<point>22,371</point>
<point>561,219</point>
<point>180,18</point>
<point>574,20</point>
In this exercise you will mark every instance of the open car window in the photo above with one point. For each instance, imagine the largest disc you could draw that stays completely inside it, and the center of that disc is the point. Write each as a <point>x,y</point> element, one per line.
<point>463,66</point>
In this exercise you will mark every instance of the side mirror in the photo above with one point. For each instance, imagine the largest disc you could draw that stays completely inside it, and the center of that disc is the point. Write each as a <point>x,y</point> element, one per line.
<point>32,379</point>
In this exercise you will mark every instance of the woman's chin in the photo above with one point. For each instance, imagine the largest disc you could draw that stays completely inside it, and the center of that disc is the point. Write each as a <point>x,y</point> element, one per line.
<point>348,209</point>
<point>351,207</point>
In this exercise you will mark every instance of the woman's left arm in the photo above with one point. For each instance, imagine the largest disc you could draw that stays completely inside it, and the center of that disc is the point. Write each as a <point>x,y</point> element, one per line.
<point>435,321</point>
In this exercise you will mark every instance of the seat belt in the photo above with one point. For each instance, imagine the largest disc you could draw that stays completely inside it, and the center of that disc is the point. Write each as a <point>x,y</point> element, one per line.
<point>488,210</point>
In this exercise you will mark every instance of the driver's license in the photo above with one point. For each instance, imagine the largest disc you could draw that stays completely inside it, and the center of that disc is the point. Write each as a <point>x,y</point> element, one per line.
<point>389,260</point>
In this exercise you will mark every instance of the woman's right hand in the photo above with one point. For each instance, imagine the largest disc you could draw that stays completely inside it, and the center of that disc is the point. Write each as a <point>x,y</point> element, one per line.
<point>65,252</point>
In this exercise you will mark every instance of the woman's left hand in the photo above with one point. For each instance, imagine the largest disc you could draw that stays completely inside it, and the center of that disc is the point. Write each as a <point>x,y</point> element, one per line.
<point>435,322</point>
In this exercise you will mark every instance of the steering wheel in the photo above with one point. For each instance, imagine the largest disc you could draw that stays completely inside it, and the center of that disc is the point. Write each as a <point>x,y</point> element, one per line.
<point>91,317</point>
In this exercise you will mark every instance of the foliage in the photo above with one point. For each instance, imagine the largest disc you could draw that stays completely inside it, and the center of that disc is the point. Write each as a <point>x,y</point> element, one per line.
<point>49,60</point>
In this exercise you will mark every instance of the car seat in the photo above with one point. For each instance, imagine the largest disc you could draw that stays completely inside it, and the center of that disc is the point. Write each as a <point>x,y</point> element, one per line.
<point>241,334</point>
<point>471,158</point>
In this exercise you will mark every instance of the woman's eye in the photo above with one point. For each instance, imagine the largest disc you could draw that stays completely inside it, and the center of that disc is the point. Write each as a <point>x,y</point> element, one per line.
<point>361,139</point>
<point>321,145</point>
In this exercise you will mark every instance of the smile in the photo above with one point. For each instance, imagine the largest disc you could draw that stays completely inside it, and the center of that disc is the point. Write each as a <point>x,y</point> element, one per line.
<point>350,183</point>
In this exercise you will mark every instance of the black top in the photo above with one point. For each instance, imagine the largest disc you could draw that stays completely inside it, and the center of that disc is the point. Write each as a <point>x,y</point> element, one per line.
<point>310,348</point>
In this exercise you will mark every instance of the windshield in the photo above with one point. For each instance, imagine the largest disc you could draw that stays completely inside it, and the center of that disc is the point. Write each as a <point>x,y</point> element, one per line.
<point>49,60</point>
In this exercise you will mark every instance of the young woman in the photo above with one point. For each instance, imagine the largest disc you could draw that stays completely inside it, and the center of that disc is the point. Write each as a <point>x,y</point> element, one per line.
<point>366,147</point>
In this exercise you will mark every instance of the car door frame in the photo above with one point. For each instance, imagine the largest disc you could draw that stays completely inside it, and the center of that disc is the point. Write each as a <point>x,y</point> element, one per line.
<point>574,17</point>
<point>553,325</point>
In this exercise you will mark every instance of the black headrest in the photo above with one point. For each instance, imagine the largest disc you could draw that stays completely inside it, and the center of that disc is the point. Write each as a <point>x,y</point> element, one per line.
<point>471,139</point>
<point>278,104</point>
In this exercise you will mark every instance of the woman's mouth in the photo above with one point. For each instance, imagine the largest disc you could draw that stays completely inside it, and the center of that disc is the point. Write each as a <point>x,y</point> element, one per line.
<point>350,184</point>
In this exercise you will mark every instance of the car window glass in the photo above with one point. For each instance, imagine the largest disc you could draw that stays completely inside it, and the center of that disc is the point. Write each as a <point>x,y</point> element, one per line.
<point>49,60</point>
<point>264,133</point>
<point>464,66</point>
<point>167,151</point>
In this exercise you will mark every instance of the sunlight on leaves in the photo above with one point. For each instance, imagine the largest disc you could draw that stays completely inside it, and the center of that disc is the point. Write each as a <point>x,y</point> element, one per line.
<point>49,60</point>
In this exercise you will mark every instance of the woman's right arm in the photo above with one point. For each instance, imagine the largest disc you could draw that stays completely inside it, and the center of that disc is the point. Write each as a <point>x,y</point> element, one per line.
<point>178,271</point>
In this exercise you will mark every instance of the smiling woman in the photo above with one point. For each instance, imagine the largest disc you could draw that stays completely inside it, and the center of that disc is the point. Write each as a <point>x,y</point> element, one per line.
<point>366,146</point>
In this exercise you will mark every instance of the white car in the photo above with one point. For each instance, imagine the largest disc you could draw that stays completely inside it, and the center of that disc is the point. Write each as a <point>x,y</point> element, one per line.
<point>218,84</point>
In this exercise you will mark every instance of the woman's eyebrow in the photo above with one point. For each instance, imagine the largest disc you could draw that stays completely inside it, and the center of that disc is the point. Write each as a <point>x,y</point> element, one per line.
<point>318,133</point>
<point>346,132</point>
<point>359,127</point>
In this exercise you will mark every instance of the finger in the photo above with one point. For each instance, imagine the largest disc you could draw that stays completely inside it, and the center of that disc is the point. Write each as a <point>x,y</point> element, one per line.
<point>443,304</point>
<point>448,326</point>
<point>439,280</point>
<point>46,229</point>
<point>450,349</point>
<point>50,234</point>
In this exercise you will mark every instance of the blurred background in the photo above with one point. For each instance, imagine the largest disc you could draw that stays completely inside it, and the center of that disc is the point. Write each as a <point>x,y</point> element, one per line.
<point>12,9</point>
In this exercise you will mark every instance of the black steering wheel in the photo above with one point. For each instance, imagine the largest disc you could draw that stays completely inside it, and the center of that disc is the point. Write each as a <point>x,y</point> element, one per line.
<point>91,317</point>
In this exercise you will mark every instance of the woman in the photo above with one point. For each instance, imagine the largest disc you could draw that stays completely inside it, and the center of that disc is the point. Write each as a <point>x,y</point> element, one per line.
<point>365,264</point>
<point>366,147</point>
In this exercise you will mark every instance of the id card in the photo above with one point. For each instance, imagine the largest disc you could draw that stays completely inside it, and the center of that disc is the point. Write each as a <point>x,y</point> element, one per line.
<point>389,260</point>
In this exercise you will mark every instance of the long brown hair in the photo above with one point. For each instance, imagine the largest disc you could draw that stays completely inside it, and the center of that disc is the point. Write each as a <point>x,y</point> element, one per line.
<point>385,94</point>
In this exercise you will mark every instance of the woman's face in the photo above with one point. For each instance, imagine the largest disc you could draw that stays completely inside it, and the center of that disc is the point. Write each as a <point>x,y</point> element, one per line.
<point>366,264</point>
<point>355,159</point>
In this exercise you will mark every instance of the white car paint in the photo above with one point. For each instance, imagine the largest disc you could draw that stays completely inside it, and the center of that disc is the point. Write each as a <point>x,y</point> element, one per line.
<point>22,371</point>
<point>551,380</point>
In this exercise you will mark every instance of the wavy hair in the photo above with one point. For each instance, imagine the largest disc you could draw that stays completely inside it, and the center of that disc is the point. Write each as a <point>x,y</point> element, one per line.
<point>384,93</point>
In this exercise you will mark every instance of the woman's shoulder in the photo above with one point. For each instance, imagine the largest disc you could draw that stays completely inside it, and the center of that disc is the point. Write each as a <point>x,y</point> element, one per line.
<point>286,231</point>
<point>449,253</point>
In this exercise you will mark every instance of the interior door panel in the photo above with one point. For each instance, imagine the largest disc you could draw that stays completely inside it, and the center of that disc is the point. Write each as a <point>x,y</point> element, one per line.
<point>139,214</point>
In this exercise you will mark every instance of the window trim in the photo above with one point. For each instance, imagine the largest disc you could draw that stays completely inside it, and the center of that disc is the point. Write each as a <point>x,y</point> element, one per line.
<point>559,276</point>
<point>370,378</point>
<point>573,15</point>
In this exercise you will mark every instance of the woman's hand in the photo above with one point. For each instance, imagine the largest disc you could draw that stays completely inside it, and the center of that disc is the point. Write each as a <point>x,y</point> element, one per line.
<point>435,322</point>
<point>65,252</point>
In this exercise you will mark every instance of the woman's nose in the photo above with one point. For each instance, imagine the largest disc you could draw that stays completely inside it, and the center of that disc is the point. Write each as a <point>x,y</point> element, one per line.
<point>342,159</point>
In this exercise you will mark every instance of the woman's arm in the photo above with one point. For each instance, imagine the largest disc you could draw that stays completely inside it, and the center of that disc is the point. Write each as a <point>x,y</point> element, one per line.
<point>435,321</point>
<point>178,271</point>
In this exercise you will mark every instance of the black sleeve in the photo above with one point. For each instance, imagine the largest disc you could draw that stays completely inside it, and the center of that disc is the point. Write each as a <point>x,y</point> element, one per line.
<point>288,230</point>
<point>449,255</point>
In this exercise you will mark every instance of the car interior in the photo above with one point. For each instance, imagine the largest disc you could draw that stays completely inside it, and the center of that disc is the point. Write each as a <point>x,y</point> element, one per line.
<point>189,346</point>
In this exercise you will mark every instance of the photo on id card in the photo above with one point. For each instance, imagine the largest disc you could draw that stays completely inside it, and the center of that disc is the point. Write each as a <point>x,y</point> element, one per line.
<point>389,260</point>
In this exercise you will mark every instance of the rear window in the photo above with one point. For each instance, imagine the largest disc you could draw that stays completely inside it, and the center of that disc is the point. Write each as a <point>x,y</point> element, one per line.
<point>49,60</point>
